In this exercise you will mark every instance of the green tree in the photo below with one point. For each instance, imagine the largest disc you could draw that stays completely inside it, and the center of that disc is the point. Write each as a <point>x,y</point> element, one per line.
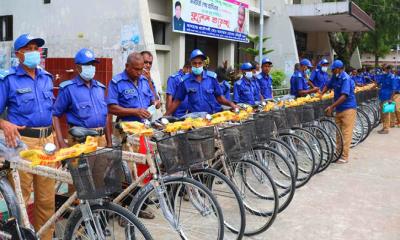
<point>255,40</point>
<point>379,41</point>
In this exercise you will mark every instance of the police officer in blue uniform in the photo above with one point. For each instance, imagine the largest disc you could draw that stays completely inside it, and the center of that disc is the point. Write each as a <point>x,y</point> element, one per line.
<point>344,104</point>
<point>264,79</point>
<point>387,83</point>
<point>129,93</point>
<point>201,87</point>
<point>246,90</point>
<point>172,84</point>
<point>319,76</point>
<point>298,82</point>
<point>27,94</point>
<point>82,99</point>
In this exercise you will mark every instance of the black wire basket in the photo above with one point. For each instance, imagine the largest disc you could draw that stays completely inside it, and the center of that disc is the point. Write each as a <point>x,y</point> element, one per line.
<point>98,174</point>
<point>308,114</point>
<point>279,117</point>
<point>293,116</point>
<point>264,123</point>
<point>319,110</point>
<point>238,139</point>
<point>181,151</point>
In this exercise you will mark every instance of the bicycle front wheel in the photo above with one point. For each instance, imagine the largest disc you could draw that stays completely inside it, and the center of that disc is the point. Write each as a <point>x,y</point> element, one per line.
<point>182,207</point>
<point>108,221</point>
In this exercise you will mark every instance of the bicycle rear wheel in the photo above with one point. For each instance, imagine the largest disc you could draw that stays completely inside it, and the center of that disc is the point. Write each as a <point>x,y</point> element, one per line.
<point>109,221</point>
<point>196,216</point>
<point>336,136</point>
<point>227,196</point>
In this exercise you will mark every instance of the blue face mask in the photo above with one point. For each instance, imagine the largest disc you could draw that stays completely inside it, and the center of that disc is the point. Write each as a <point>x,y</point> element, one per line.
<point>197,70</point>
<point>88,72</point>
<point>32,59</point>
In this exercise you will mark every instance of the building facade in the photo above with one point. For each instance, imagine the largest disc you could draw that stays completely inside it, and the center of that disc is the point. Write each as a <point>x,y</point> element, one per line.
<point>113,29</point>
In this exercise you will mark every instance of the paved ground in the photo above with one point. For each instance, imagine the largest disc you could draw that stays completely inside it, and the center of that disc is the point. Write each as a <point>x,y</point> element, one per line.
<point>358,200</point>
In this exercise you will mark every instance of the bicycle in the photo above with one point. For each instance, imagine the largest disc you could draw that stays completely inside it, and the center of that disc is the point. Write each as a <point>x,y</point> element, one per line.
<point>94,216</point>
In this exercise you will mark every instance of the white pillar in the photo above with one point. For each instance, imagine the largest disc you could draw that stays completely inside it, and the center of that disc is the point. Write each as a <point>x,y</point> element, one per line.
<point>226,51</point>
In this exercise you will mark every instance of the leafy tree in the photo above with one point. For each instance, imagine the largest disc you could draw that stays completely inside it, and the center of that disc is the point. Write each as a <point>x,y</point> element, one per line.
<point>254,52</point>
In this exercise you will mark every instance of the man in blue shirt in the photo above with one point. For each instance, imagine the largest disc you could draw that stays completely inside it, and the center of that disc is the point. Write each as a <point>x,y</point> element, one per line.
<point>27,94</point>
<point>387,83</point>
<point>395,120</point>
<point>264,79</point>
<point>319,76</point>
<point>172,85</point>
<point>356,77</point>
<point>82,99</point>
<point>129,93</point>
<point>246,90</point>
<point>298,82</point>
<point>344,103</point>
<point>201,88</point>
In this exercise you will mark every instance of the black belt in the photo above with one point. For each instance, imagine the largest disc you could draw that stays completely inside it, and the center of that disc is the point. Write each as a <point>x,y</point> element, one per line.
<point>100,131</point>
<point>396,92</point>
<point>36,132</point>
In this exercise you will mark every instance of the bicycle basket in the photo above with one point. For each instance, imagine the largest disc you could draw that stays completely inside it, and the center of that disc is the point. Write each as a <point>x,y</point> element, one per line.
<point>238,139</point>
<point>263,127</point>
<point>308,114</point>
<point>318,110</point>
<point>98,174</point>
<point>183,150</point>
<point>292,116</point>
<point>279,117</point>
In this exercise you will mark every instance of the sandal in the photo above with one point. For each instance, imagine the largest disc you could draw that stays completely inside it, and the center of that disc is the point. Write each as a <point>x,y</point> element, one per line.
<point>341,161</point>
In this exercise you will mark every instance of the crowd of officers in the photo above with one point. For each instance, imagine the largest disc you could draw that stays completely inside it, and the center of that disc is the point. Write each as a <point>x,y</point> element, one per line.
<point>33,113</point>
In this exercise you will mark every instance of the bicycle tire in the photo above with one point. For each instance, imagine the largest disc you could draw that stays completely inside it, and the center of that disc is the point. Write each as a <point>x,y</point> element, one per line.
<point>326,144</point>
<point>367,126</point>
<point>315,145</point>
<point>284,192</point>
<point>286,151</point>
<point>302,164</point>
<point>207,176</point>
<point>336,136</point>
<point>75,220</point>
<point>144,196</point>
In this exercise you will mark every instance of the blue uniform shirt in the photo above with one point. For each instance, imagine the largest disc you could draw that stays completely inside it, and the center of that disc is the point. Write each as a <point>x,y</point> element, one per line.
<point>343,84</point>
<point>387,84</point>
<point>172,85</point>
<point>226,89</point>
<point>298,82</point>
<point>246,91</point>
<point>28,101</point>
<point>358,79</point>
<point>397,83</point>
<point>202,96</point>
<point>265,83</point>
<point>319,78</point>
<point>84,106</point>
<point>123,92</point>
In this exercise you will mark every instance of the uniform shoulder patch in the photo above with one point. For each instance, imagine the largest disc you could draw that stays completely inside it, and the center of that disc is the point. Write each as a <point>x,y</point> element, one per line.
<point>45,72</point>
<point>5,73</point>
<point>117,78</point>
<point>186,76</point>
<point>238,82</point>
<point>298,74</point>
<point>227,84</point>
<point>211,74</point>
<point>100,84</point>
<point>66,83</point>
<point>259,76</point>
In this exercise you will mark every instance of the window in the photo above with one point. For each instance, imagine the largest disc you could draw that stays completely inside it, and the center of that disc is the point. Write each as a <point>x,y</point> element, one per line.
<point>6,28</point>
<point>158,32</point>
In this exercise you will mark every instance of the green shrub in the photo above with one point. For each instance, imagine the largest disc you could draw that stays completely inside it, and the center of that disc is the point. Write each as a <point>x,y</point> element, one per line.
<point>278,76</point>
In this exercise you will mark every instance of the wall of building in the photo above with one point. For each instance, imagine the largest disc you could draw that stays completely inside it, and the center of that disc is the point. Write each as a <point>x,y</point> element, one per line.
<point>392,58</point>
<point>318,44</point>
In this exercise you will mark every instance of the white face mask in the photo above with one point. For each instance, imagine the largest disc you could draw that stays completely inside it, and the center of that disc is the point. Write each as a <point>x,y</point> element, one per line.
<point>248,75</point>
<point>324,69</point>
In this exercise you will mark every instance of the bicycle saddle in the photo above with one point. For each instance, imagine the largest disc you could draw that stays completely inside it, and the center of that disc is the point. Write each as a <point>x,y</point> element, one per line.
<point>82,133</point>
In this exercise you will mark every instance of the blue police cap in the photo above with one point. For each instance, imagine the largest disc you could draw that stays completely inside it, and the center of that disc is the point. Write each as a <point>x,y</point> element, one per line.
<point>306,62</point>
<point>323,61</point>
<point>246,66</point>
<point>25,39</point>
<point>337,64</point>
<point>265,60</point>
<point>197,53</point>
<point>85,56</point>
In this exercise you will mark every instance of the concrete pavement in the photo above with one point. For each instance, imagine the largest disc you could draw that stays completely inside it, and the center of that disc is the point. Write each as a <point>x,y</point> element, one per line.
<point>355,201</point>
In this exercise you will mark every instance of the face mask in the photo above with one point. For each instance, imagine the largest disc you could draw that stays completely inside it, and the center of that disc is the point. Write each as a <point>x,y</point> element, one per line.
<point>88,72</point>
<point>324,69</point>
<point>248,75</point>
<point>32,59</point>
<point>197,70</point>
